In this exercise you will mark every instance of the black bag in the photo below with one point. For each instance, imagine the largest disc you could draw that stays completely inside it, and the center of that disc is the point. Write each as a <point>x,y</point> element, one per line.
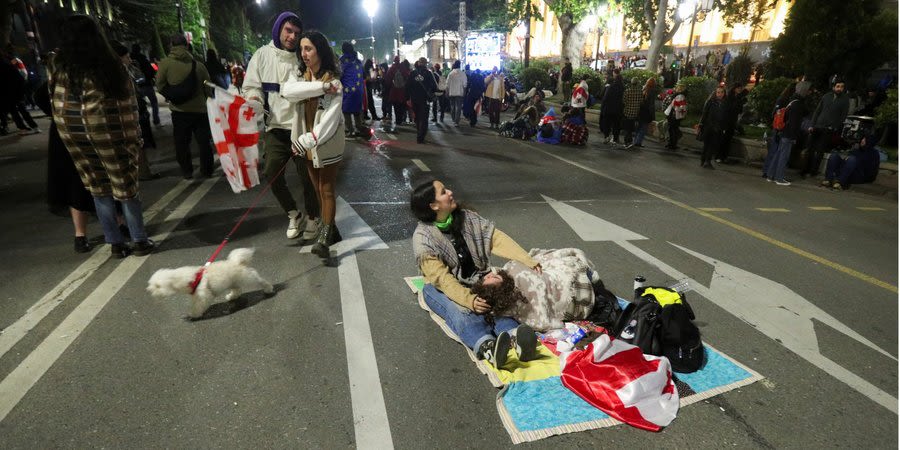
<point>180,93</point>
<point>663,329</point>
<point>606,310</point>
<point>680,338</point>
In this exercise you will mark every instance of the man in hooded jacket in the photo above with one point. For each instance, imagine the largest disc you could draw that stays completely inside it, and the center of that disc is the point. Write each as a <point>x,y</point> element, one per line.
<point>269,67</point>
<point>189,117</point>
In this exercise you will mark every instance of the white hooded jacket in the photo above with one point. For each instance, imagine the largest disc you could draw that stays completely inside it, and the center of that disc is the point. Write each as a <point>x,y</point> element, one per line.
<point>456,83</point>
<point>267,71</point>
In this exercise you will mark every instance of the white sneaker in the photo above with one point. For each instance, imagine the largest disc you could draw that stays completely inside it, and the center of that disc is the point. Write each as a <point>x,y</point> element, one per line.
<point>310,231</point>
<point>296,221</point>
<point>783,183</point>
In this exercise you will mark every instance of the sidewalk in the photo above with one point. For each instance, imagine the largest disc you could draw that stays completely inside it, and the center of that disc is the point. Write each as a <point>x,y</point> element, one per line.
<point>752,153</point>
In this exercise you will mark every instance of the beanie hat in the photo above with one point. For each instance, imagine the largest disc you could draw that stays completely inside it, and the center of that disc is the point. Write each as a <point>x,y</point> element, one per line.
<point>276,28</point>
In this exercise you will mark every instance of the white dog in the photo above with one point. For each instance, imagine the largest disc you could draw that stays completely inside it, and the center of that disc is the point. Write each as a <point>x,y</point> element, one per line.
<point>228,278</point>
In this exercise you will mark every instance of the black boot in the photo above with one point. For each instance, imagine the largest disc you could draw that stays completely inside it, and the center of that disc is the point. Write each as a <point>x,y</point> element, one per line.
<point>324,240</point>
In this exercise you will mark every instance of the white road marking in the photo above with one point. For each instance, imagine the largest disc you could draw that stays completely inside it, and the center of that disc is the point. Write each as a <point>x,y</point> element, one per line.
<point>390,136</point>
<point>770,307</point>
<point>14,387</point>
<point>370,419</point>
<point>822,208</point>
<point>715,209</point>
<point>421,165</point>
<point>869,208</point>
<point>780,210</point>
<point>12,334</point>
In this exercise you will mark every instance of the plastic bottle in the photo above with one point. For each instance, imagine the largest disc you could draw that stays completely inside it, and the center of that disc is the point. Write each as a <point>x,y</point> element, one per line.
<point>681,286</point>
<point>578,335</point>
<point>639,282</point>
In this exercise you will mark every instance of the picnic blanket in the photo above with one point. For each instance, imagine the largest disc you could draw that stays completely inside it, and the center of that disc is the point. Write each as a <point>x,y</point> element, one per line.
<point>533,403</point>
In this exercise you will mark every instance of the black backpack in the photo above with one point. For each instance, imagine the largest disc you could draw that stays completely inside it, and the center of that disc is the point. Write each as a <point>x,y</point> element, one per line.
<point>399,80</point>
<point>659,322</point>
<point>180,93</point>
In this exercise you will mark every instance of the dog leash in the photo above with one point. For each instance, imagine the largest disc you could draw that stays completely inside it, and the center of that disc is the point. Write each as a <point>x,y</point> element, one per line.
<point>199,275</point>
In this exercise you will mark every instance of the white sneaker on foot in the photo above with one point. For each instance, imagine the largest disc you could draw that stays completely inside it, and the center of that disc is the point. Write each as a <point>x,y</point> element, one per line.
<point>296,220</point>
<point>309,232</point>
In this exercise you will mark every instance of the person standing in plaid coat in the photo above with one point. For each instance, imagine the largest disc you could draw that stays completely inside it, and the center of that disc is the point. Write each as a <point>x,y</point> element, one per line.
<point>95,111</point>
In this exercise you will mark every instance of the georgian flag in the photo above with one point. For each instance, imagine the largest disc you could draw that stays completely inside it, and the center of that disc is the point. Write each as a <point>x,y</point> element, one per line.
<point>234,125</point>
<point>615,377</point>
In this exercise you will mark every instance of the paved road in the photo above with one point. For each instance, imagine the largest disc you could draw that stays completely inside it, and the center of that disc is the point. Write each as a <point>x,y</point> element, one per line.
<point>798,283</point>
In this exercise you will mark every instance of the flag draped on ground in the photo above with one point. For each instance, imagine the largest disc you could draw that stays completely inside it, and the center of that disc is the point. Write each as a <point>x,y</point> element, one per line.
<point>235,132</point>
<point>618,379</point>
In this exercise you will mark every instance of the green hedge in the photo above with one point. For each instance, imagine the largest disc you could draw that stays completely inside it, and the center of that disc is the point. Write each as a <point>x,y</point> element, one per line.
<point>530,75</point>
<point>640,74</point>
<point>697,90</point>
<point>886,113</point>
<point>594,79</point>
<point>761,99</point>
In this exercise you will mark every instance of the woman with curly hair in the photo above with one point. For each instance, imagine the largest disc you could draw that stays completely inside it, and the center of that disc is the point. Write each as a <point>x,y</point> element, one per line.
<point>567,289</point>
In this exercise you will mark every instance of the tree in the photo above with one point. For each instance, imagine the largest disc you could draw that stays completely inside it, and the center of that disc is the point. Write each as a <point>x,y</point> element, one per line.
<point>576,18</point>
<point>815,44</point>
<point>657,21</point>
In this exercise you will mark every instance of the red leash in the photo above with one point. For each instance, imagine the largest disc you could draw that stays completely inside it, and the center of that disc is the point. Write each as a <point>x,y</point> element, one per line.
<point>199,276</point>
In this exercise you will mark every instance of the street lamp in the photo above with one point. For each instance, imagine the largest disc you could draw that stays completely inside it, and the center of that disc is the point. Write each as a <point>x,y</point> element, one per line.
<point>371,6</point>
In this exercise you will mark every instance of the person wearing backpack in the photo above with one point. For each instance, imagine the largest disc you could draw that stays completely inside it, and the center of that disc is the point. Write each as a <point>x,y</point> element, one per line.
<point>774,136</point>
<point>793,114</point>
<point>189,110</point>
<point>396,77</point>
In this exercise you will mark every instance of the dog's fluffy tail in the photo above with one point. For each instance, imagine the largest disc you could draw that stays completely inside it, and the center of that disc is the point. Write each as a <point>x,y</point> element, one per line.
<point>241,256</point>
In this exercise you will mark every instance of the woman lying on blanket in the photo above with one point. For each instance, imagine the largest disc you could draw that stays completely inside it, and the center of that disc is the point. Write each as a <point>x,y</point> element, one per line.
<point>453,247</point>
<point>567,289</point>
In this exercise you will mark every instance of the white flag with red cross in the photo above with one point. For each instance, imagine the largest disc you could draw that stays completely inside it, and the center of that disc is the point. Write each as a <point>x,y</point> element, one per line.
<point>618,379</point>
<point>234,123</point>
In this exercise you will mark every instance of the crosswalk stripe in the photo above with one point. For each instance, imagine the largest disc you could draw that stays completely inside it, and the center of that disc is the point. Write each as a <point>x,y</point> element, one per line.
<point>773,210</point>
<point>14,387</point>
<point>715,209</point>
<point>36,313</point>
<point>822,208</point>
<point>421,165</point>
<point>869,208</point>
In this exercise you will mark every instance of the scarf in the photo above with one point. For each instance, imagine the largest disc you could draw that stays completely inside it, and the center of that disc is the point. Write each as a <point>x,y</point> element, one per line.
<point>477,232</point>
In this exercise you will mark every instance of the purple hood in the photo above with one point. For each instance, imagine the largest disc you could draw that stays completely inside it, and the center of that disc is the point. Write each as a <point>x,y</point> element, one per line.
<point>276,28</point>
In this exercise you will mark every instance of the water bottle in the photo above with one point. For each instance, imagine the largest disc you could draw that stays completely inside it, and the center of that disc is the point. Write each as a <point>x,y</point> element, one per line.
<point>576,336</point>
<point>639,282</point>
<point>681,286</point>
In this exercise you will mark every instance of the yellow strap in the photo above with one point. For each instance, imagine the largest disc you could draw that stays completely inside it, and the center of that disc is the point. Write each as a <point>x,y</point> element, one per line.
<point>664,297</point>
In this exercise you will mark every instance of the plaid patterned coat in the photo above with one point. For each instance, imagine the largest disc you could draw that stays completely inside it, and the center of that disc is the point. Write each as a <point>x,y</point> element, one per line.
<point>102,135</point>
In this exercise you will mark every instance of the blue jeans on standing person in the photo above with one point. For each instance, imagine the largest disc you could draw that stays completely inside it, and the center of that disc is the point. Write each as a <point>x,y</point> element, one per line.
<point>456,102</point>
<point>780,160</point>
<point>768,167</point>
<point>134,218</point>
<point>640,133</point>
<point>471,328</point>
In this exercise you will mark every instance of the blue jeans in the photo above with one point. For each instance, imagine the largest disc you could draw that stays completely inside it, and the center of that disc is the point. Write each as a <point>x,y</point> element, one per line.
<point>768,166</point>
<point>640,133</point>
<point>471,328</point>
<point>134,217</point>
<point>780,160</point>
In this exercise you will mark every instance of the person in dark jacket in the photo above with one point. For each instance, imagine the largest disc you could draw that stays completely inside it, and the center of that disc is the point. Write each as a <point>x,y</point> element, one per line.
<point>421,86</point>
<point>774,136</point>
<point>474,91</point>
<point>860,166</point>
<point>827,122</point>
<point>397,85</point>
<point>712,126</point>
<point>217,72</point>
<point>796,110</point>
<point>371,75</point>
<point>734,106</point>
<point>146,86</point>
<point>611,107</point>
